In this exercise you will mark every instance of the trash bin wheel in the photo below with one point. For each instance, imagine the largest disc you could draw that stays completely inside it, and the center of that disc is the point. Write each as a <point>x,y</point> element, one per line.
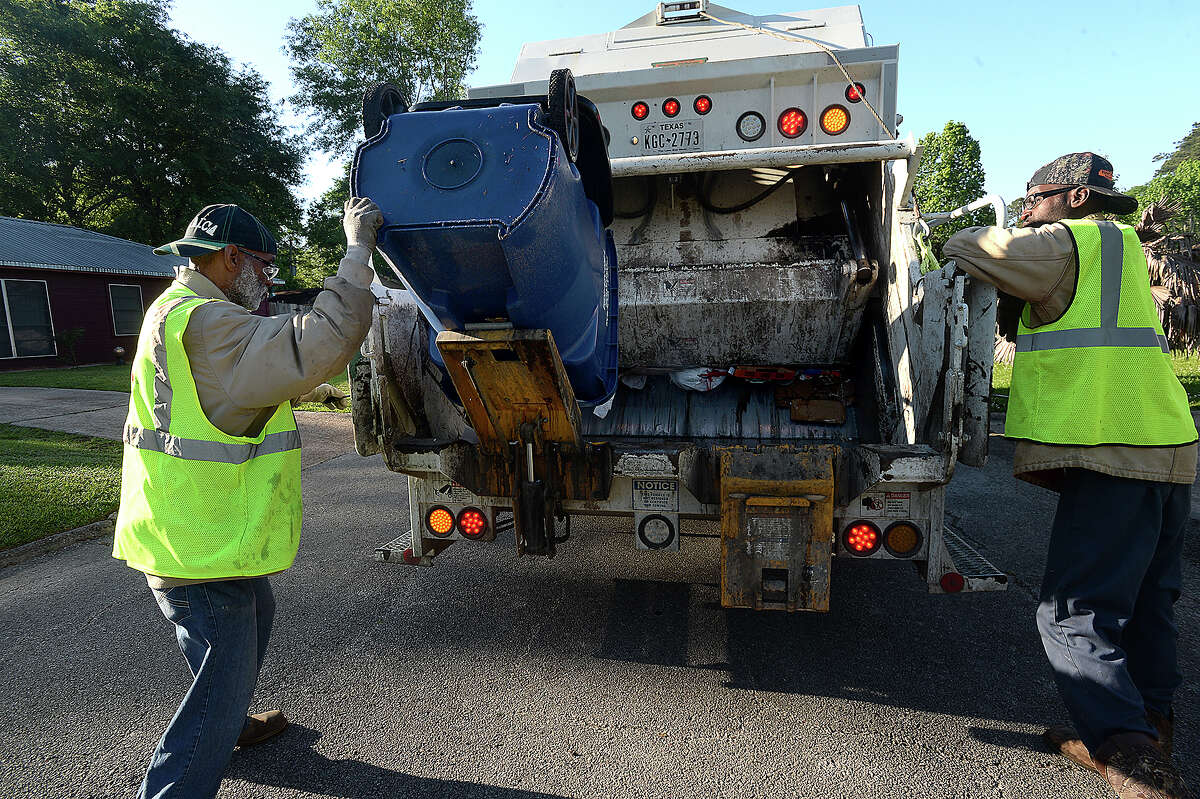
<point>380,102</point>
<point>563,111</point>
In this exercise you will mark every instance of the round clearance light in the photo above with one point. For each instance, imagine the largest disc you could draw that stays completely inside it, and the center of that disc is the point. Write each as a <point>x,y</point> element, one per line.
<point>793,122</point>
<point>751,126</point>
<point>862,539</point>
<point>440,521</point>
<point>835,119</point>
<point>472,523</point>
<point>854,94</point>
<point>902,539</point>
<point>656,532</point>
<point>640,110</point>
<point>671,107</point>
<point>702,104</point>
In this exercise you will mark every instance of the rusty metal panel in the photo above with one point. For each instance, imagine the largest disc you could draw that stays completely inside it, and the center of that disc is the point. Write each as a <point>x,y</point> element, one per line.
<point>776,534</point>
<point>506,378</point>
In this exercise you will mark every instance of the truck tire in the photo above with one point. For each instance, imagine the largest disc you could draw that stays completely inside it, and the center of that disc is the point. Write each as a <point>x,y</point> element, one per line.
<point>563,111</point>
<point>380,102</point>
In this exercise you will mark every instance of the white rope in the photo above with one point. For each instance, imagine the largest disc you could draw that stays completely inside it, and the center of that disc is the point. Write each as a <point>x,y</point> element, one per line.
<point>788,36</point>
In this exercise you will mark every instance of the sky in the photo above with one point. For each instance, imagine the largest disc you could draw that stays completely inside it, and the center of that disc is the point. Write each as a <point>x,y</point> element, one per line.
<point>1031,80</point>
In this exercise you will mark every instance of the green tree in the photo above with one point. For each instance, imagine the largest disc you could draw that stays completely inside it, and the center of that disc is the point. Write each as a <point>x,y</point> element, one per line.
<point>111,120</point>
<point>1187,148</point>
<point>950,176</point>
<point>1181,185</point>
<point>324,238</point>
<point>425,47</point>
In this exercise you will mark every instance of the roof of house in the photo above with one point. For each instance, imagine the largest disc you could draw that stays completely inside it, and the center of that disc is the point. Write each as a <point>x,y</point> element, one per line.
<point>45,245</point>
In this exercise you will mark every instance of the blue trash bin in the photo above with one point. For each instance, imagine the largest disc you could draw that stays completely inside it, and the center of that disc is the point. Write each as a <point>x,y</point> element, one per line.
<point>487,220</point>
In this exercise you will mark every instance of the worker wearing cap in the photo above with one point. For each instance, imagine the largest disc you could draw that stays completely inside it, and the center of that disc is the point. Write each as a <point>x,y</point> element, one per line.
<point>1100,417</point>
<point>210,486</point>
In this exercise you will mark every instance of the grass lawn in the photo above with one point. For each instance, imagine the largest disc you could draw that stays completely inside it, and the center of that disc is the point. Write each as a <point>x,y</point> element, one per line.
<point>51,482</point>
<point>1186,368</point>
<point>116,378</point>
<point>109,377</point>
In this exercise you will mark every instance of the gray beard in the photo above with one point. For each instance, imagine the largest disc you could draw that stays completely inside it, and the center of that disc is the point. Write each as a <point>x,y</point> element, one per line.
<point>247,290</point>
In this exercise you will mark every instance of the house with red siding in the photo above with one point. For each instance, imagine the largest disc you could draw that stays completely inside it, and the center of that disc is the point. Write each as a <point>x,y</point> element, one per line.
<point>72,296</point>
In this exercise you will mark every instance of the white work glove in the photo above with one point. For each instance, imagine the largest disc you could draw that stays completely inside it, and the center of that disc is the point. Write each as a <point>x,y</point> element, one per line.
<point>361,222</point>
<point>330,395</point>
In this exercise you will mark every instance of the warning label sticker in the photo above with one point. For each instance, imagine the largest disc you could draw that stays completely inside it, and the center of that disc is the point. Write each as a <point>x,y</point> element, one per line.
<point>456,493</point>
<point>660,495</point>
<point>889,503</point>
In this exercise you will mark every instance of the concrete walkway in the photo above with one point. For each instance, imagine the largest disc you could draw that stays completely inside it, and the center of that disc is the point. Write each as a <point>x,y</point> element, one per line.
<point>102,414</point>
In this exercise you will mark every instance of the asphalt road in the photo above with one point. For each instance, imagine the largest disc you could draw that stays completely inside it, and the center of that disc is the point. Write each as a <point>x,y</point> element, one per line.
<point>605,672</point>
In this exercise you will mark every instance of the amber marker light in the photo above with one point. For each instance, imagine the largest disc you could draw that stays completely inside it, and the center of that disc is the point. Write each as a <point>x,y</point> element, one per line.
<point>835,119</point>
<point>440,521</point>
<point>793,122</point>
<point>902,540</point>
<point>862,539</point>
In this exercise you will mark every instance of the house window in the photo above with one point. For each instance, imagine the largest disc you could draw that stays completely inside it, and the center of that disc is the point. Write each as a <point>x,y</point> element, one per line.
<point>27,322</point>
<point>127,311</point>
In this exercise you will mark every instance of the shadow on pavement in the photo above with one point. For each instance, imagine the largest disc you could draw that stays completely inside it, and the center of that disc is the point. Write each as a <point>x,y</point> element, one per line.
<point>290,761</point>
<point>1010,739</point>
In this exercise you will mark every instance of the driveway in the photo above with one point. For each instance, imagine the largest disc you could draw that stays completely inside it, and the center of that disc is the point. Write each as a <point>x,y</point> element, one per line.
<point>603,672</point>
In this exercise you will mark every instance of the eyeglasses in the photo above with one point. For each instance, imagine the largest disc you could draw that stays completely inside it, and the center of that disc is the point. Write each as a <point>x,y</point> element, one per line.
<point>1032,200</point>
<point>269,271</point>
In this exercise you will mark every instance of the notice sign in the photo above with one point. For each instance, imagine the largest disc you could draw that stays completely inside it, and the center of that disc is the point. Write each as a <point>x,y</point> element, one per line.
<point>455,493</point>
<point>656,494</point>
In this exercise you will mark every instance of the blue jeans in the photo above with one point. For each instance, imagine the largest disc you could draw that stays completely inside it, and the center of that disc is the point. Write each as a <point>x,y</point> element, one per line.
<point>223,628</point>
<point>1106,617</point>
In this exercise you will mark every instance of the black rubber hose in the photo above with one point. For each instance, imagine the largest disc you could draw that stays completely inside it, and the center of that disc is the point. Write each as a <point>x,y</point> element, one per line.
<point>651,198</point>
<point>706,204</point>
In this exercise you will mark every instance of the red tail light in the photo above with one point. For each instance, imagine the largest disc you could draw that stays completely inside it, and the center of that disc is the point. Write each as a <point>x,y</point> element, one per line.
<point>854,94</point>
<point>702,104</point>
<point>472,523</point>
<point>640,110</point>
<point>671,107</point>
<point>862,539</point>
<point>952,582</point>
<point>793,122</point>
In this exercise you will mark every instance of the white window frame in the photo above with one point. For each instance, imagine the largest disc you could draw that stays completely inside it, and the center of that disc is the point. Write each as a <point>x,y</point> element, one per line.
<point>12,341</point>
<point>113,311</point>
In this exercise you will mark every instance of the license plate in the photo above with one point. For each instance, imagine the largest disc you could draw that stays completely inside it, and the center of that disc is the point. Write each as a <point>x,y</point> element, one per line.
<point>685,136</point>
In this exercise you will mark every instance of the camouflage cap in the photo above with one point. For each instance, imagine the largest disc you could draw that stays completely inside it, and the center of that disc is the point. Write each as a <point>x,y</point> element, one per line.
<point>1085,169</point>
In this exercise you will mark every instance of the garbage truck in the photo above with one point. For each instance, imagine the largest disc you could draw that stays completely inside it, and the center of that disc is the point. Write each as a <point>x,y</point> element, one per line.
<point>671,274</point>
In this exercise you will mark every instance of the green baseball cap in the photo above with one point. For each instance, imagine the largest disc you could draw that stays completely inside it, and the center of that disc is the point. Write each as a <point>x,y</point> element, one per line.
<point>217,226</point>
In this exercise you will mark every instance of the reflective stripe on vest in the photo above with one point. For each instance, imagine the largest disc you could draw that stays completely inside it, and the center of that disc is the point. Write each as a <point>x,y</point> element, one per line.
<point>197,502</point>
<point>1100,373</point>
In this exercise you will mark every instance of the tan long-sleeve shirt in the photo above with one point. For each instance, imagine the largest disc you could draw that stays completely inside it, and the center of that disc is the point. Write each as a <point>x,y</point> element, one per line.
<point>245,365</point>
<point>1040,265</point>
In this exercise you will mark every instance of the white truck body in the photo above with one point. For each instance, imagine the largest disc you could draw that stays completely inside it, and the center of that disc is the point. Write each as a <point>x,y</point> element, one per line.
<point>819,277</point>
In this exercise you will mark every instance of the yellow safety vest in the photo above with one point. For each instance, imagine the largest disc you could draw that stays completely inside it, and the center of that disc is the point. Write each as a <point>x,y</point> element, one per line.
<point>197,502</point>
<point>1101,373</point>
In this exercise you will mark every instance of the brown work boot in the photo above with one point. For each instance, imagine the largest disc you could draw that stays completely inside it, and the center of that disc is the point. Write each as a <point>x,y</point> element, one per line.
<point>1136,768</point>
<point>1165,726</point>
<point>261,726</point>
<point>1065,741</point>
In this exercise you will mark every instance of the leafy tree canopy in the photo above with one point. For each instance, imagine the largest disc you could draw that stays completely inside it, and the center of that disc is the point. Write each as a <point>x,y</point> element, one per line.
<point>1187,148</point>
<point>950,176</point>
<point>325,241</point>
<point>111,120</point>
<point>424,47</point>
<point>1181,185</point>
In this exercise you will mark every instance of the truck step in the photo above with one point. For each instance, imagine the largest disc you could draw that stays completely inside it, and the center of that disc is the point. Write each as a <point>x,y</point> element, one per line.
<point>978,572</point>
